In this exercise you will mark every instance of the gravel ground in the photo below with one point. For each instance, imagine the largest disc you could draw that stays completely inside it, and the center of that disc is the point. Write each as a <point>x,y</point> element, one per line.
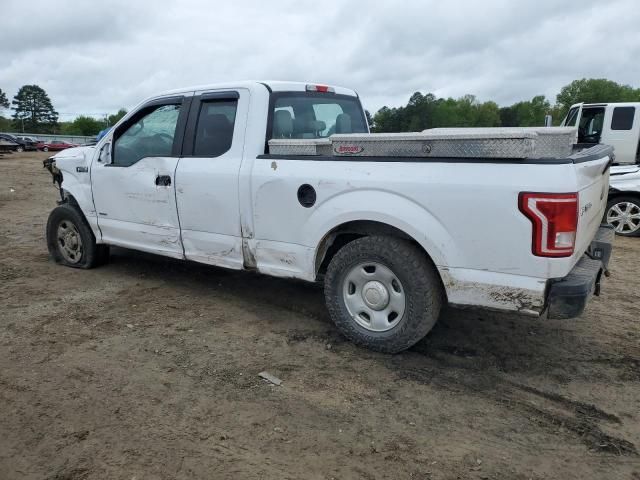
<point>148,368</point>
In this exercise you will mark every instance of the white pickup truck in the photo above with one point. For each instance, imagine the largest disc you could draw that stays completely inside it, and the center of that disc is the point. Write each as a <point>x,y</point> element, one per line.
<point>191,174</point>
<point>617,125</point>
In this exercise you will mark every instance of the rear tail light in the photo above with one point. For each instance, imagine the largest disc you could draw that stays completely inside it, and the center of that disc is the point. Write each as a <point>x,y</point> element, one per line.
<point>555,222</point>
<point>320,88</point>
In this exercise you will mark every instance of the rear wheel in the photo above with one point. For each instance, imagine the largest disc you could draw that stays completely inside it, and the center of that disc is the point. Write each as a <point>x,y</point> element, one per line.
<point>71,241</point>
<point>383,293</point>
<point>45,149</point>
<point>20,149</point>
<point>623,214</point>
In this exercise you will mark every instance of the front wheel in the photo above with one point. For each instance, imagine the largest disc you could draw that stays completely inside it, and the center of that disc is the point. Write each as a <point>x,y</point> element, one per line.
<point>20,149</point>
<point>45,149</point>
<point>623,214</point>
<point>383,293</point>
<point>70,240</point>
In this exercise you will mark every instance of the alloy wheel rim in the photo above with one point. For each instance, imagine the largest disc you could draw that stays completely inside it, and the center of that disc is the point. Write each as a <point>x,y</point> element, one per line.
<point>624,217</point>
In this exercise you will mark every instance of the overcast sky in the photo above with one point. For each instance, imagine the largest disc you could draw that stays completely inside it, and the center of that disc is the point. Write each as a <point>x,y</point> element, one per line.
<point>94,57</point>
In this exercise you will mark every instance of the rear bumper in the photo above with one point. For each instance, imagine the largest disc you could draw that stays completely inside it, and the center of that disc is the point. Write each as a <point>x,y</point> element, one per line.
<point>567,297</point>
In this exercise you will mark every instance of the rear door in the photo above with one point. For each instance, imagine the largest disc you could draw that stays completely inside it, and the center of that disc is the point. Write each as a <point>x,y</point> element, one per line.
<point>134,192</point>
<point>207,178</point>
<point>621,130</point>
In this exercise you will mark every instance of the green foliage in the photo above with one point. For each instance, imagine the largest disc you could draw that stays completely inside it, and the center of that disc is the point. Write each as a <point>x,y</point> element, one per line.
<point>5,124</point>
<point>115,118</point>
<point>4,101</point>
<point>82,125</point>
<point>595,90</point>
<point>525,114</point>
<point>427,111</point>
<point>33,110</point>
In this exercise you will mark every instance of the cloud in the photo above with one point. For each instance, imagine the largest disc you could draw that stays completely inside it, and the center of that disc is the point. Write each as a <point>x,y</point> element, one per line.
<point>94,57</point>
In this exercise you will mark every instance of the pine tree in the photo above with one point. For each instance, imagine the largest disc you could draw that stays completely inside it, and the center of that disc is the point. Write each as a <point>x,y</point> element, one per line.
<point>33,110</point>
<point>4,102</point>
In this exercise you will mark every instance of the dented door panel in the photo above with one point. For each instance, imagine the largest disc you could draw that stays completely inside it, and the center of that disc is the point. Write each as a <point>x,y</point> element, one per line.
<point>135,212</point>
<point>207,189</point>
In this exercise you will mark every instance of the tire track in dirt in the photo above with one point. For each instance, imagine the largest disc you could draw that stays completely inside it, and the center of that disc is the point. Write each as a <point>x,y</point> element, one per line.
<point>549,409</point>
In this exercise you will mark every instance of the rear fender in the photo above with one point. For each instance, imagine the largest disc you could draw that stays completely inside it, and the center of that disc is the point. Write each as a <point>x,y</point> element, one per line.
<point>390,209</point>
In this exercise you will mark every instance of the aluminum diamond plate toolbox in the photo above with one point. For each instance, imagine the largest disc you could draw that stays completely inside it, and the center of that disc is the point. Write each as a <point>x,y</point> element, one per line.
<point>461,143</point>
<point>554,142</point>
<point>550,142</point>
<point>294,146</point>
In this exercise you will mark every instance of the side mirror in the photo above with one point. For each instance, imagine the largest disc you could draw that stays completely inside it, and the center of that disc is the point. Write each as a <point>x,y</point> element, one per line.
<point>105,154</point>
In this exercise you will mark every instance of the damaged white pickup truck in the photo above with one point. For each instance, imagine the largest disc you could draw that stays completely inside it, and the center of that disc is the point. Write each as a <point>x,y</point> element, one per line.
<point>284,178</point>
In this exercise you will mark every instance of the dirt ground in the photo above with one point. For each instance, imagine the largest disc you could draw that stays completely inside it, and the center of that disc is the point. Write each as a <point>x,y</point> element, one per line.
<point>148,368</point>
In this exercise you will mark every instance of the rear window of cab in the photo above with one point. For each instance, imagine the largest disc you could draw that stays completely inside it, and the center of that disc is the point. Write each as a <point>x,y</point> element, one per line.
<point>309,115</point>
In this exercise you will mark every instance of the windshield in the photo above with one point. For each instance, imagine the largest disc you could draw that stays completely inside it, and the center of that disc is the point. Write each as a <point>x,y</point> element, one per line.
<point>315,115</point>
<point>570,119</point>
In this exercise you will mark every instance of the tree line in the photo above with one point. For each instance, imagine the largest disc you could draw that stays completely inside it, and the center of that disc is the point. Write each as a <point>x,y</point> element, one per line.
<point>428,111</point>
<point>33,112</point>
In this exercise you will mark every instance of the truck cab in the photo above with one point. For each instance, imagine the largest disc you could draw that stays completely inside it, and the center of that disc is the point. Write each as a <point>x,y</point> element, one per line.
<point>615,124</point>
<point>618,125</point>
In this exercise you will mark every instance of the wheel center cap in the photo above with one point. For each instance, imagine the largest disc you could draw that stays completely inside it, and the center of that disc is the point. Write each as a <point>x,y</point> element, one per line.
<point>375,295</point>
<point>70,240</point>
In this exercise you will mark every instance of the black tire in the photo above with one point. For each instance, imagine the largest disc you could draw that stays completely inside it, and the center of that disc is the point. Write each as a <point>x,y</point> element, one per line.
<point>20,149</point>
<point>45,149</point>
<point>69,217</point>
<point>623,199</point>
<point>423,291</point>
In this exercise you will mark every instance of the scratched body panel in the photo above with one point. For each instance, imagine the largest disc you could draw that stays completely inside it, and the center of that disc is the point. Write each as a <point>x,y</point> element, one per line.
<point>135,212</point>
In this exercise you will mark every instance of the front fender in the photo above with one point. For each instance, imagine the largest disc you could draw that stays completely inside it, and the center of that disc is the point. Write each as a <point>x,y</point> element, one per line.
<point>74,166</point>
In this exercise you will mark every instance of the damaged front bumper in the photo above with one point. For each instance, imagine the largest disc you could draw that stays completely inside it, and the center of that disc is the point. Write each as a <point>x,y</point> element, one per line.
<point>50,164</point>
<point>567,297</point>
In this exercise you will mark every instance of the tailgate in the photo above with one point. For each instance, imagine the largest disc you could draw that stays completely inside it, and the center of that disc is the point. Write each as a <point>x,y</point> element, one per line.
<point>592,177</point>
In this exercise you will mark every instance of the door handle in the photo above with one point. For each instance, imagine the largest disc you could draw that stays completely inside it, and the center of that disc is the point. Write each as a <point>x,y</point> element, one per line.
<point>163,180</point>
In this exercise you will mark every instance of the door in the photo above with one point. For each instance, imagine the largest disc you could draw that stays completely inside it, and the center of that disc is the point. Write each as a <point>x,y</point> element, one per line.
<point>621,130</point>
<point>207,178</point>
<point>134,185</point>
<point>591,124</point>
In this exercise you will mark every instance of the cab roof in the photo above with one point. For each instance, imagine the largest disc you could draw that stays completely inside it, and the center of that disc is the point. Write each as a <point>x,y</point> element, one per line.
<point>273,85</point>
<point>604,104</point>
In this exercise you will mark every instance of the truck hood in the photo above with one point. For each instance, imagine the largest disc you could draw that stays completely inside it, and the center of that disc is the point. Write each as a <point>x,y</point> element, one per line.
<point>76,153</point>
<point>625,178</point>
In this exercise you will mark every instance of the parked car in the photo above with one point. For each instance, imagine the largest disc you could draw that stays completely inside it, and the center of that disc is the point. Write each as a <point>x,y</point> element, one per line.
<point>30,142</point>
<point>23,145</point>
<point>392,236</point>
<point>55,145</point>
<point>618,125</point>
<point>8,146</point>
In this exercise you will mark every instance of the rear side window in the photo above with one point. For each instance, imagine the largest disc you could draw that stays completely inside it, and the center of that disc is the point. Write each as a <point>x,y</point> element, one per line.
<point>622,118</point>
<point>214,131</point>
<point>315,115</point>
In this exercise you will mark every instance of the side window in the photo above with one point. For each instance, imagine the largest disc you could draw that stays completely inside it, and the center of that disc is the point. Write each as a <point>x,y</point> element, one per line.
<point>149,135</point>
<point>622,118</point>
<point>214,131</point>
